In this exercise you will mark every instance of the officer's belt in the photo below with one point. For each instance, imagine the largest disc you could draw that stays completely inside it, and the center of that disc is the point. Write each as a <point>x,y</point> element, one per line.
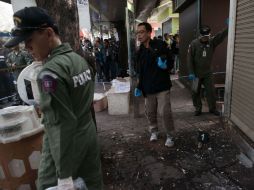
<point>12,69</point>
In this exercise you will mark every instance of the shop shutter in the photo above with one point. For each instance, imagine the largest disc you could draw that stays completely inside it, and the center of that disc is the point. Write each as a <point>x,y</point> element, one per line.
<point>167,26</point>
<point>242,105</point>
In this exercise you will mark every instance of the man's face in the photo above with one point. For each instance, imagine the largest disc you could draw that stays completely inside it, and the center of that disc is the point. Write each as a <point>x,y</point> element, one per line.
<point>204,39</point>
<point>96,43</point>
<point>16,48</point>
<point>106,44</point>
<point>38,44</point>
<point>142,34</point>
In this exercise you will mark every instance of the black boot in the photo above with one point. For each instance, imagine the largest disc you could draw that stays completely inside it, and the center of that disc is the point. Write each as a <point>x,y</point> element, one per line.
<point>197,113</point>
<point>215,112</point>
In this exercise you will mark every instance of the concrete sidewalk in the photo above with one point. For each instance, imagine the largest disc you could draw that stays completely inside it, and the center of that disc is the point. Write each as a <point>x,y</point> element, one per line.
<point>131,162</point>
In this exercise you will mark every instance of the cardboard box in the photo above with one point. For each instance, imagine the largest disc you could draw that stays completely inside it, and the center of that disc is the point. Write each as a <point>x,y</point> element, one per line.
<point>100,102</point>
<point>118,103</point>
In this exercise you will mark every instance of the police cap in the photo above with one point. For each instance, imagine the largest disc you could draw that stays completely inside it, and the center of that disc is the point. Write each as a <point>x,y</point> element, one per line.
<point>26,21</point>
<point>205,30</point>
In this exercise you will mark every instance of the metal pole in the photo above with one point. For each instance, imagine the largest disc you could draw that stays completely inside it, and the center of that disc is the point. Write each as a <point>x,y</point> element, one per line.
<point>230,57</point>
<point>133,80</point>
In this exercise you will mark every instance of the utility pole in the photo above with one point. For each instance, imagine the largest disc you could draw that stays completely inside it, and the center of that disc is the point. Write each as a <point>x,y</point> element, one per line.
<point>130,27</point>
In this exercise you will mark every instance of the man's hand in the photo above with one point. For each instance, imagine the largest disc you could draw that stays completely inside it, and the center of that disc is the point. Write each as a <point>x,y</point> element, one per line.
<point>137,92</point>
<point>192,77</point>
<point>80,184</point>
<point>162,64</point>
<point>69,184</point>
<point>65,184</point>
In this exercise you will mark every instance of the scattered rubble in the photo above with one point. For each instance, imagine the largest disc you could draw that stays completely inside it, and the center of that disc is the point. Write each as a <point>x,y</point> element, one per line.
<point>131,162</point>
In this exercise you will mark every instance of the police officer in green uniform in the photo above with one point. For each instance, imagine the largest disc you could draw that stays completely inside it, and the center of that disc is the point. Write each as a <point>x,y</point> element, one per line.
<point>70,148</point>
<point>199,61</point>
<point>18,59</point>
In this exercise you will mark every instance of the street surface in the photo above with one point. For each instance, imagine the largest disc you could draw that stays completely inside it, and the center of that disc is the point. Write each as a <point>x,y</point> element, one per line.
<point>131,162</point>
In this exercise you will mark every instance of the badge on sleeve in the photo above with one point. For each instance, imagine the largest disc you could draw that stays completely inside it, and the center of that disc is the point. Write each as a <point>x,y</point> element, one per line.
<point>204,53</point>
<point>48,81</point>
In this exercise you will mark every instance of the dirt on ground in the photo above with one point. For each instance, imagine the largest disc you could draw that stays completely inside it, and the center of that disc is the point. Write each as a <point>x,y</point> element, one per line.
<point>131,162</point>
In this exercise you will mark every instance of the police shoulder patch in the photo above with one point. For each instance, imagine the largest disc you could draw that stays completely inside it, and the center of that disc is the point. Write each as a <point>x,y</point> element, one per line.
<point>48,81</point>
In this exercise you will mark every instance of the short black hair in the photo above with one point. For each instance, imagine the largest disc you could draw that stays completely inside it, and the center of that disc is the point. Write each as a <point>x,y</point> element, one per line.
<point>147,26</point>
<point>56,30</point>
<point>97,39</point>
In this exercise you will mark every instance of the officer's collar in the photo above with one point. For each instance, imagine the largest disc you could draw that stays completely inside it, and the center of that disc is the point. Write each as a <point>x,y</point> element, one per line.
<point>62,48</point>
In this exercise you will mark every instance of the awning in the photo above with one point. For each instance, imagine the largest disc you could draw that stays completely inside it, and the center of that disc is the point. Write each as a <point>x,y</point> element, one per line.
<point>111,10</point>
<point>143,8</point>
<point>115,10</point>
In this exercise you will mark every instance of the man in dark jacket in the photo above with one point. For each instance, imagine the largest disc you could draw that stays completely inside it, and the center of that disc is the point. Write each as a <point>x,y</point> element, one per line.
<point>100,58</point>
<point>154,63</point>
<point>199,62</point>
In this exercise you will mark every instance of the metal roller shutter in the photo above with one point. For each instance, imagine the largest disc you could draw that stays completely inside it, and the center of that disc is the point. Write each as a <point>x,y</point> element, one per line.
<point>242,105</point>
<point>167,26</point>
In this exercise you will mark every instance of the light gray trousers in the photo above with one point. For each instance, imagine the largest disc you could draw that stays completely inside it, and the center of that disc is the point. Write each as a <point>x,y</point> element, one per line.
<point>159,103</point>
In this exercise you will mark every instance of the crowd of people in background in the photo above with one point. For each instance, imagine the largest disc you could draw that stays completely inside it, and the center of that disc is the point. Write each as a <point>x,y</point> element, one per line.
<point>12,62</point>
<point>104,51</point>
<point>106,57</point>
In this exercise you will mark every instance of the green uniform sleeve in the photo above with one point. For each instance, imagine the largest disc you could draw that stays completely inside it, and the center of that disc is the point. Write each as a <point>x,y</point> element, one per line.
<point>28,58</point>
<point>8,60</point>
<point>59,120</point>
<point>218,38</point>
<point>190,59</point>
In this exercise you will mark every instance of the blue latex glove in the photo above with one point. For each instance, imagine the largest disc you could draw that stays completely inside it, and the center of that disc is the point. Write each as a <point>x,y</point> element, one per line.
<point>227,21</point>
<point>161,64</point>
<point>191,77</point>
<point>137,92</point>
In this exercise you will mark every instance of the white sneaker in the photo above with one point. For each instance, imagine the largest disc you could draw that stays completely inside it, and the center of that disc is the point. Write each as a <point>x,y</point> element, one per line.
<point>169,142</point>
<point>154,137</point>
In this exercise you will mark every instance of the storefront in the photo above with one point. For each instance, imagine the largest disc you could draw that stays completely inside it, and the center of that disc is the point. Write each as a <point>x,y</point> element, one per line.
<point>239,92</point>
<point>193,14</point>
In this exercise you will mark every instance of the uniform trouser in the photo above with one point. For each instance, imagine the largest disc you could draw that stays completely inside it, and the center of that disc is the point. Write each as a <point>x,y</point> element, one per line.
<point>176,63</point>
<point>99,69</point>
<point>88,168</point>
<point>106,68</point>
<point>113,70</point>
<point>6,85</point>
<point>207,81</point>
<point>159,102</point>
